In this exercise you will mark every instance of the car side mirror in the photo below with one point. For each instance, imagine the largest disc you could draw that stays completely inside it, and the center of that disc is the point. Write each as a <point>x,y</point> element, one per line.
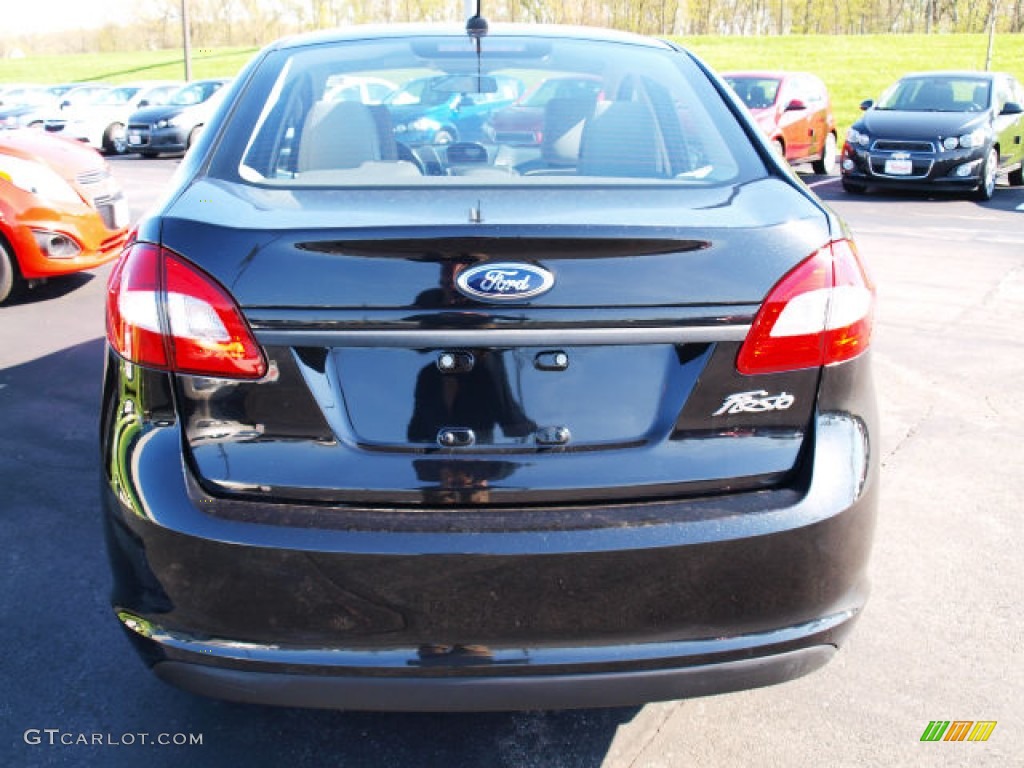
<point>65,104</point>
<point>867,104</point>
<point>143,103</point>
<point>1011,108</point>
<point>795,105</point>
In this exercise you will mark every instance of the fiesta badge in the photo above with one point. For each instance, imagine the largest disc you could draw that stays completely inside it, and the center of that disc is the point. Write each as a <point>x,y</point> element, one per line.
<point>504,281</point>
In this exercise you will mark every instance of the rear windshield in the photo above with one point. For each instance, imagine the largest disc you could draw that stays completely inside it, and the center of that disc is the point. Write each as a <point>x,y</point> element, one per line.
<point>443,111</point>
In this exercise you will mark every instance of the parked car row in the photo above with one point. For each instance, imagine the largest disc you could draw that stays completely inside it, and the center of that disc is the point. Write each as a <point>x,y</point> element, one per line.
<point>950,131</point>
<point>148,117</point>
<point>935,130</point>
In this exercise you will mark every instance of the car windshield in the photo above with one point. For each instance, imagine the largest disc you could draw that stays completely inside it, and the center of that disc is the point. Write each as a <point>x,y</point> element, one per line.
<point>937,94</point>
<point>612,113</point>
<point>116,97</point>
<point>755,92</point>
<point>194,93</point>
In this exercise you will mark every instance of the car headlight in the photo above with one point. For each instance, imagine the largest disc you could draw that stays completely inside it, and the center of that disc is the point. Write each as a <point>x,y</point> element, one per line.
<point>950,142</point>
<point>37,179</point>
<point>853,136</point>
<point>974,139</point>
<point>169,122</point>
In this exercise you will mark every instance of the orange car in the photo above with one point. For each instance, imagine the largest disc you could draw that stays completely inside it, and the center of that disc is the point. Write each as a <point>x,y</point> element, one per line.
<point>795,112</point>
<point>61,210</point>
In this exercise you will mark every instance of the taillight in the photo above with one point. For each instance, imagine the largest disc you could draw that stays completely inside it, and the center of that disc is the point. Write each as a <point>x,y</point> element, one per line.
<point>165,313</point>
<point>820,313</point>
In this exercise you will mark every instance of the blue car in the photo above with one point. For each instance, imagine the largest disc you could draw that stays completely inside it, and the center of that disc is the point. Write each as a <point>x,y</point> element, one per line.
<point>449,108</point>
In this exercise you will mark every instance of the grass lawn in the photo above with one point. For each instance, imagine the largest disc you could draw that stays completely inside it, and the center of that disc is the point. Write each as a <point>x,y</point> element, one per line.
<point>124,66</point>
<point>854,67</point>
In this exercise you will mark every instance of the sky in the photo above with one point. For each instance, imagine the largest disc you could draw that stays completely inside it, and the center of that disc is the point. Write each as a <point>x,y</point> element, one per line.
<point>33,16</point>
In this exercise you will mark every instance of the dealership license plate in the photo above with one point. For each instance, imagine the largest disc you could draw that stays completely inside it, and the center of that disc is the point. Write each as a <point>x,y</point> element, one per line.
<point>898,166</point>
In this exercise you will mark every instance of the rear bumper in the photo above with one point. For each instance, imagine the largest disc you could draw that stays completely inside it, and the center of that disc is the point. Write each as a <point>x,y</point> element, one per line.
<point>574,606</point>
<point>495,692</point>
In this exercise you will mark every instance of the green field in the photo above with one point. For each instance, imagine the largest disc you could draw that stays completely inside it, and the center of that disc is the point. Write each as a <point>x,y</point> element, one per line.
<point>854,67</point>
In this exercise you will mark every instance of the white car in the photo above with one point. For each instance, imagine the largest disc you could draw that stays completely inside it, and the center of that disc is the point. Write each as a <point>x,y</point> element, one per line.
<point>368,90</point>
<point>101,122</point>
<point>28,107</point>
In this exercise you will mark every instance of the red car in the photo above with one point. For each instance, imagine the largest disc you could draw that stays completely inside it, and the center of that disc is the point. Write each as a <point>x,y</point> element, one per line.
<point>522,124</point>
<point>61,210</point>
<point>795,112</point>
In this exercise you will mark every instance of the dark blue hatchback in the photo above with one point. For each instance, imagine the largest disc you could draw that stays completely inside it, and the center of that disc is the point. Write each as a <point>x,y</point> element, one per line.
<point>480,425</point>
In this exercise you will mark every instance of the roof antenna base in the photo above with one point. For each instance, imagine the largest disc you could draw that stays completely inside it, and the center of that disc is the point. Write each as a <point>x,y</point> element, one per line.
<point>476,26</point>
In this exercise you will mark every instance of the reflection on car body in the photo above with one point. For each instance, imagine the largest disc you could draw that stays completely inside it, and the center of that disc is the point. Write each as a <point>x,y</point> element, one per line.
<point>949,131</point>
<point>487,425</point>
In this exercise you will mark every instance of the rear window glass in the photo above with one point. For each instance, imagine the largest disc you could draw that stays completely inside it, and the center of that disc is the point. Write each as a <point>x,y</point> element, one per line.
<point>442,110</point>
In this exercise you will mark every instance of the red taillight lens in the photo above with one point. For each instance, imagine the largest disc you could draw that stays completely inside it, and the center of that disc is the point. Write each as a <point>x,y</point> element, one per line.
<point>820,313</point>
<point>165,313</point>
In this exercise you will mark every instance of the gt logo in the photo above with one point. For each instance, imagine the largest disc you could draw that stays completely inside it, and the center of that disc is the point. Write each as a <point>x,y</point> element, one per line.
<point>755,402</point>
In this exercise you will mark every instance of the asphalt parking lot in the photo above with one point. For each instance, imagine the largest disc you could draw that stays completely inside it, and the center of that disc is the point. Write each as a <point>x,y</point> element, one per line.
<point>942,638</point>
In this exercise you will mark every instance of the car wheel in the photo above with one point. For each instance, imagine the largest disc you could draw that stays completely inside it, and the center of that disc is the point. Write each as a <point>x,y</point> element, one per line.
<point>114,142</point>
<point>987,188</point>
<point>852,188</point>
<point>827,162</point>
<point>444,136</point>
<point>10,280</point>
<point>1016,178</point>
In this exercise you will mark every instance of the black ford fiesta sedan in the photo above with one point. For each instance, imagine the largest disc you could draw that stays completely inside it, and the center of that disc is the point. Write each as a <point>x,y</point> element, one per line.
<point>949,131</point>
<point>588,422</point>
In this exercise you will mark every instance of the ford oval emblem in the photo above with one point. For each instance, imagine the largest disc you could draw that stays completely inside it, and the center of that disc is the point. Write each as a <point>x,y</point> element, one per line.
<point>504,281</point>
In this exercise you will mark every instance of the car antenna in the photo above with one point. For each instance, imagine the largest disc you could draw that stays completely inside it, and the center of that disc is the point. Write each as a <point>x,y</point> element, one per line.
<point>476,25</point>
<point>476,28</point>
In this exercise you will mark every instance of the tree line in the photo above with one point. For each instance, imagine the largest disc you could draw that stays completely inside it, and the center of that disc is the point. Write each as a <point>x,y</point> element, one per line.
<point>220,23</point>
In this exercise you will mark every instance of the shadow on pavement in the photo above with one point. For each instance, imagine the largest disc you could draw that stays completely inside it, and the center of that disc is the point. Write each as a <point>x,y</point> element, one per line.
<point>67,667</point>
<point>53,288</point>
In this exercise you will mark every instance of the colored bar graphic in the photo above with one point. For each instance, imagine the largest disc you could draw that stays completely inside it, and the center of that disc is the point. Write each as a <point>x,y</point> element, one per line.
<point>958,730</point>
<point>982,730</point>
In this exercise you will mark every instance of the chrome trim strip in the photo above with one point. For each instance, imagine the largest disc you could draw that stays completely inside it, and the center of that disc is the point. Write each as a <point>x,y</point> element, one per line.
<point>501,337</point>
